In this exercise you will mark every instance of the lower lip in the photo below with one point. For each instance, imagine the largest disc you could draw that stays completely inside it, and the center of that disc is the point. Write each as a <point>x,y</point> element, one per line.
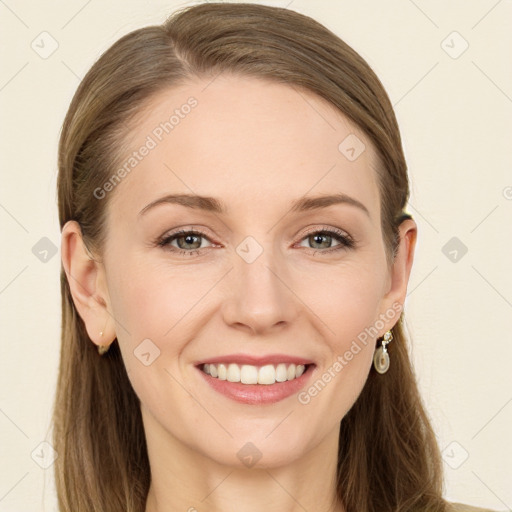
<point>256,394</point>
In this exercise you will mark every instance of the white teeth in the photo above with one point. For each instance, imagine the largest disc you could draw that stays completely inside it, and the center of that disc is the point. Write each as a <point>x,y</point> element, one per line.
<point>291,372</point>
<point>249,374</point>
<point>233,373</point>
<point>222,371</point>
<point>281,373</point>
<point>267,374</point>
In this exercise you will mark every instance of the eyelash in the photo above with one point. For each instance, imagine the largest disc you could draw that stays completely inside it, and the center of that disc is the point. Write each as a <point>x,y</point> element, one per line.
<point>345,240</point>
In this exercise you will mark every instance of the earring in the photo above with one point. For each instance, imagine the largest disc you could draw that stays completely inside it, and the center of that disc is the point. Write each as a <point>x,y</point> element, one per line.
<point>102,349</point>
<point>381,356</point>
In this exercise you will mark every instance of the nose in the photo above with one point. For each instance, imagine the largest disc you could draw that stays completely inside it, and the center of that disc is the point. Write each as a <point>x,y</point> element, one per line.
<point>260,297</point>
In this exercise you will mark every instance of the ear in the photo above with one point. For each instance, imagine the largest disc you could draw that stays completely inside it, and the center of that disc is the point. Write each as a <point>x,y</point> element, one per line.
<point>87,284</point>
<point>400,271</point>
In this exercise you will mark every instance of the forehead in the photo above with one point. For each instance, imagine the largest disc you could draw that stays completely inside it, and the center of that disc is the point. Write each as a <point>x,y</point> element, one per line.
<point>249,142</point>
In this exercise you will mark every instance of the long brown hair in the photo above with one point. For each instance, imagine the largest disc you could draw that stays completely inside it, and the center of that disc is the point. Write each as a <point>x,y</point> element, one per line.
<point>388,458</point>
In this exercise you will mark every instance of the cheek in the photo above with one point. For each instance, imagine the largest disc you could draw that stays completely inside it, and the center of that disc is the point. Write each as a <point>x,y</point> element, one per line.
<point>347,303</point>
<point>348,315</point>
<point>158,310</point>
<point>150,311</point>
<point>151,300</point>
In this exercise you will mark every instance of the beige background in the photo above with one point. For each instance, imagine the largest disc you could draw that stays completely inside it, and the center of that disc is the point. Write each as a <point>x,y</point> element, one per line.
<point>455,116</point>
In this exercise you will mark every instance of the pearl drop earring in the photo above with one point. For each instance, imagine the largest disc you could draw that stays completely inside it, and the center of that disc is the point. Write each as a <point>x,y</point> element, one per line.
<point>381,356</point>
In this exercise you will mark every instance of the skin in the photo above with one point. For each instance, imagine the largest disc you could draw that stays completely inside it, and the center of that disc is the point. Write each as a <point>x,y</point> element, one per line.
<point>256,146</point>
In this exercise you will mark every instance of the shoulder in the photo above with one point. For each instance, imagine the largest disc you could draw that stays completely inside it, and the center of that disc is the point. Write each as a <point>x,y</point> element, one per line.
<point>461,507</point>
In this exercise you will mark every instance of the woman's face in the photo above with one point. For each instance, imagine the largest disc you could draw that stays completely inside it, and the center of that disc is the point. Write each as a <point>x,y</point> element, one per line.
<point>261,279</point>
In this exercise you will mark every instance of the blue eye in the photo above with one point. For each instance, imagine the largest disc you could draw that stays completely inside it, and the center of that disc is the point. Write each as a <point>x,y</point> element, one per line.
<point>325,237</point>
<point>189,242</point>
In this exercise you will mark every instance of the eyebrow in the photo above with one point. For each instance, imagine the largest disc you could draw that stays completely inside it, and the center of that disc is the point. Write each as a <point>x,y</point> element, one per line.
<point>210,204</point>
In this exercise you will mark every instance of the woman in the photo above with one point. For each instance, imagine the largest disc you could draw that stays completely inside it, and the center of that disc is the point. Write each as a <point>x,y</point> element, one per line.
<point>236,252</point>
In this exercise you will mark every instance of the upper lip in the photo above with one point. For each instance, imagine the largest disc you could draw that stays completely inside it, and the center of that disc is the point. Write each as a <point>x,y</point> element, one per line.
<point>256,360</point>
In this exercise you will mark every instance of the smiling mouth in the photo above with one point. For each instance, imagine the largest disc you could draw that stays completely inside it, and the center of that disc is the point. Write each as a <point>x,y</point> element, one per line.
<point>249,374</point>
